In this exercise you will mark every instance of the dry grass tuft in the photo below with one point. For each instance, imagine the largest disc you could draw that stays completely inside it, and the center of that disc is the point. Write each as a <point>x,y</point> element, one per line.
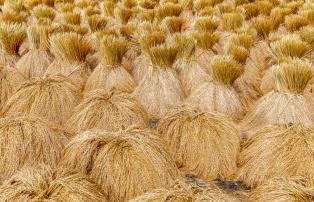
<point>108,110</point>
<point>295,22</point>
<point>123,14</point>
<point>52,98</point>
<point>90,11</point>
<point>206,24</point>
<point>206,40</point>
<point>85,3</point>
<point>30,4</point>
<point>226,7</point>
<point>202,143</point>
<point>163,56</point>
<point>278,150</point>
<point>66,7</point>
<point>174,24</point>
<point>232,21</point>
<point>238,53</point>
<point>42,11</point>
<point>40,184</point>
<point>263,25</point>
<point>168,10</point>
<point>108,8</point>
<point>31,140</point>
<point>11,16</point>
<point>282,189</point>
<point>96,22</point>
<point>113,50</point>
<point>307,34</point>
<point>71,18</point>
<point>138,152</point>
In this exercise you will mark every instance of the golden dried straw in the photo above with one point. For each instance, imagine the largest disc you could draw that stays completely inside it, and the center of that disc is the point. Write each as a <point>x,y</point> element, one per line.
<point>307,34</point>
<point>286,104</point>
<point>232,21</point>
<point>85,3</point>
<point>264,7</point>
<point>52,98</point>
<point>206,24</point>
<point>96,22</point>
<point>40,184</point>
<point>206,40</point>
<point>30,64</point>
<point>143,161</point>
<point>90,11</point>
<point>288,144</point>
<point>282,189</point>
<point>174,24</point>
<point>238,53</point>
<point>168,10</point>
<point>203,143</point>
<point>66,7</point>
<point>123,14</point>
<point>43,11</point>
<point>28,140</point>
<point>295,22</point>
<point>207,11</point>
<point>108,8</point>
<point>163,56</point>
<point>30,4</point>
<point>129,3</point>
<point>251,10</point>
<point>108,110</point>
<point>226,7</point>
<point>71,18</point>
<point>11,16</point>
<point>245,39</point>
<point>263,25</point>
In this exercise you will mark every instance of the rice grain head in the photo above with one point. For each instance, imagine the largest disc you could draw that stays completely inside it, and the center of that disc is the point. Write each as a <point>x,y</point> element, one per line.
<point>282,189</point>
<point>108,110</point>
<point>288,144</point>
<point>205,144</point>
<point>32,141</point>
<point>39,183</point>
<point>52,98</point>
<point>144,162</point>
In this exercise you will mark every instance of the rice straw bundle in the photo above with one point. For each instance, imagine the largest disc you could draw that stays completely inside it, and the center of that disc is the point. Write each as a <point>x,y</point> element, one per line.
<point>108,110</point>
<point>30,4</point>
<point>108,8</point>
<point>11,38</point>
<point>263,26</point>
<point>204,49</point>
<point>11,16</point>
<point>29,64</point>
<point>40,184</point>
<point>70,51</point>
<point>232,21</point>
<point>190,73</point>
<point>43,11</point>
<point>52,98</point>
<point>203,143</point>
<point>288,154</point>
<point>286,104</point>
<point>110,73</point>
<point>173,24</point>
<point>71,18</point>
<point>122,15</point>
<point>10,79</point>
<point>206,24</point>
<point>168,10</point>
<point>295,22</point>
<point>225,7</point>
<point>90,11</point>
<point>96,23</point>
<point>219,95</point>
<point>160,88</point>
<point>85,3</point>
<point>125,164</point>
<point>282,189</point>
<point>28,140</point>
<point>66,7</point>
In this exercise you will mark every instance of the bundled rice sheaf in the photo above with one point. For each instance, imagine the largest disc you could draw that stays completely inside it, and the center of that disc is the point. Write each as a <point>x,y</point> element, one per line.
<point>173,24</point>
<point>125,164</point>
<point>11,16</point>
<point>41,184</point>
<point>36,61</point>
<point>287,103</point>
<point>70,51</point>
<point>289,154</point>
<point>96,22</point>
<point>28,140</point>
<point>52,98</point>
<point>282,189</point>
<point>203,143</point>
<point>110,72</point>
<point>190,73</point>
<point>160,89</point>
<point>43,11</point>
<point>168,10</point>
<point>109,110</point>
<point>218,95</point>
<point>11,38</point>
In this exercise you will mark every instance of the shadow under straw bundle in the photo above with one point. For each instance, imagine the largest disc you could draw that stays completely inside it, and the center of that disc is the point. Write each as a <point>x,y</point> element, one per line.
<point>160,88</point>
<point>144,162</point>
<point>110,72</point>
<point>29,64</point>
<point>202,143</point>
<point>52,98</point>
<point>108,110</point>
<point>70,51</point>
<point>219,95</point>
<point>11,38</point>
<point>40,184</point>
<point>278,150</point>
<point>31,140</point>
<point>287,103</point>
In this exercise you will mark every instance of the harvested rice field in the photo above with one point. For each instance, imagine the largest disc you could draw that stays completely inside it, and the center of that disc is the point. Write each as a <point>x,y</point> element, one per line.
<point>157,100</point>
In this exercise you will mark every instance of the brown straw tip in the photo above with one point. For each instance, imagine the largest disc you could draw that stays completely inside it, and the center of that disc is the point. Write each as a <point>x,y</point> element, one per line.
<point>293,75</point>
<point>90,11</point>
<point>70,46</point>
<point>174,24</point>
<point>113,49</point>
<point>163,56</point>
<point>11,37</point>
<point>225,70</point>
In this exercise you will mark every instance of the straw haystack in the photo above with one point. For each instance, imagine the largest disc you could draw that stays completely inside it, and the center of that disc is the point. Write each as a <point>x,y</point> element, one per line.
<point>202,143</point>
<point>282,189</point>
<point>28,140</point>
<point>125,164</point>
<point>11,38</point>
<point>41,184</point>
<point>286,104</point>
<point>288,154</point>
<point>110,72</point>
<point>70,51</point>
<point>29,64</point>
<point>10,79</point>
<point>219,95</point>
<point>190,73</point>
<point>52,98</point>
<point>160,89</point>
<point>109,110</point>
